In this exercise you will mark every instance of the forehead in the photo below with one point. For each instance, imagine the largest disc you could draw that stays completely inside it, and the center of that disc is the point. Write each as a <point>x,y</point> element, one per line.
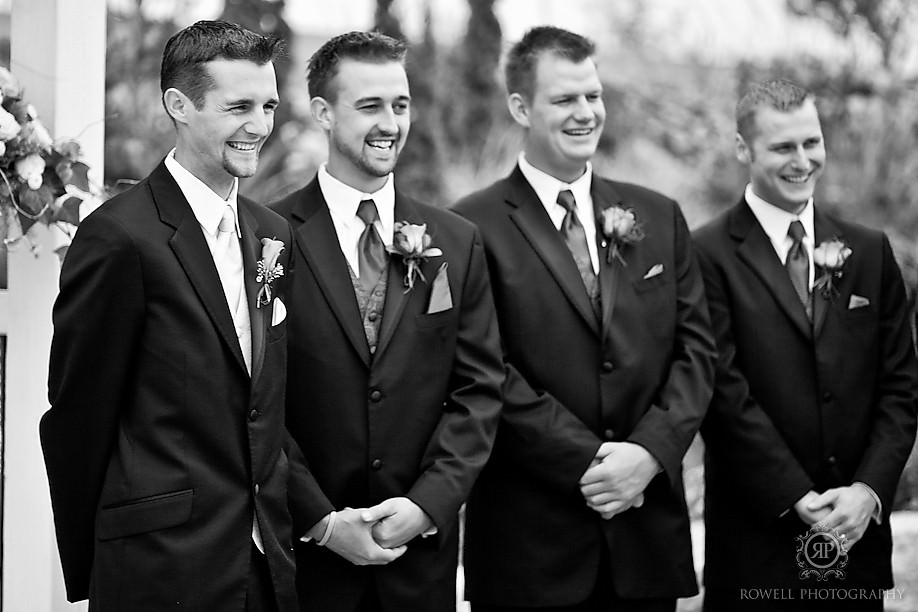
<point>241,80</point>
<point>556,75</point>
<point>356,79</point>
<point>799,124</point>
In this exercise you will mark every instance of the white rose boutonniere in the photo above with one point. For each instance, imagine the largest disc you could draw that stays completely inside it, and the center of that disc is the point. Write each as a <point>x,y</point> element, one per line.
<point>412,243</point>
<point>830,257</point>
<point>620,227</point>
<point>267,270</point>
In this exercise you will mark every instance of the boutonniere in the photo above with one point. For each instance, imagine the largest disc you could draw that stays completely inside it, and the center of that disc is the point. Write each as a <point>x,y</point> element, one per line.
<point>830,257</point>
<point>620,228</point>
<point>412,243</point>
<point>267,270</point>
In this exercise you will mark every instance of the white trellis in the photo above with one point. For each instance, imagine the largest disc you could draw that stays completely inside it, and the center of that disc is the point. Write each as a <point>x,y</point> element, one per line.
<point>58,55</point>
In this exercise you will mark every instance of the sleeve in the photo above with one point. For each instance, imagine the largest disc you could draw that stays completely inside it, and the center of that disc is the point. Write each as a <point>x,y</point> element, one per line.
<point>462,441</point>
<point>739,436</point>
<point>894,423</point>
<point>98,319</point>
<point>666,430</point>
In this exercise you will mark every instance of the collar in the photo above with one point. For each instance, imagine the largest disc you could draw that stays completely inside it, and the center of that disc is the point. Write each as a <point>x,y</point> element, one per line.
<point>548,187</point>
<point>342,200</point>
<point>206,205</point>
<point>776,221</point>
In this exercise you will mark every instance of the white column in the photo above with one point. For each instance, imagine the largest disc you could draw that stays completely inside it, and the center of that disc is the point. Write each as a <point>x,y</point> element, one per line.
<point>58,54</point>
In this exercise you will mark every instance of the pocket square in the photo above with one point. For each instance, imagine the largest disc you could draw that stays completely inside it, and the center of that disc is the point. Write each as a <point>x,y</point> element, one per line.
<point>440,297</point>
<point>656,270</point>
<point>857,301</point>
<point>278,312</point>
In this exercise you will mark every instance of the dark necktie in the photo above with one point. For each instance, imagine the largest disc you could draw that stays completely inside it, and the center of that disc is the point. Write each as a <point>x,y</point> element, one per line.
<point>576,239</point>
<point>371,253</point>
<point>798,264</point>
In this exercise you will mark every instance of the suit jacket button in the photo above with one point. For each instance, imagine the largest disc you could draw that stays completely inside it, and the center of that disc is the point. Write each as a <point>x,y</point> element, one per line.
<point>827,397</point>
<point>375,395</point>
<point>831,460</point>
<point>607,366</point>
<point>253,414</point>
<point>377,464</point>
<point>609,435</point>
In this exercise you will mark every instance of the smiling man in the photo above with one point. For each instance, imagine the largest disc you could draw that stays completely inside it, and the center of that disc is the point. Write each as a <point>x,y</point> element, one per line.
<point>164,439</point>
<point>395,370</point>
<point>609,363</point>
<point>813,415</point>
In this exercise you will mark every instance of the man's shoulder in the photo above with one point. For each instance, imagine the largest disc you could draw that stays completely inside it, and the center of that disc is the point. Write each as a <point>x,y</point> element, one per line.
<point>484,200</point>
<point>441,220</point>
<point>287,204</point>
<point>635,193</point>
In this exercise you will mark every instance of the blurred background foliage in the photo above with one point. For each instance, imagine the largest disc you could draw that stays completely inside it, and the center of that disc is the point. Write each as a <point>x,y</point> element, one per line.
<point>670,115</point>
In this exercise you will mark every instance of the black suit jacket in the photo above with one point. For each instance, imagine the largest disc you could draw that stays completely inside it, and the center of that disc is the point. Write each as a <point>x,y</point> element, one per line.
<point>800,406</point>
<point>642,374</point>
<point>417,418</point>
<point>159,445</point>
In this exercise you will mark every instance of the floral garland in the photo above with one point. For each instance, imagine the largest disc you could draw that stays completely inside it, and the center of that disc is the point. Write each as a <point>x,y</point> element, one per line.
<point>41,179</point>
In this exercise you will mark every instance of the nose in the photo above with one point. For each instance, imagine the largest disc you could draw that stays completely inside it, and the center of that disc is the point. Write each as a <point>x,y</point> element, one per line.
<point>260,123</point>
<point>800,159</point>
<point>582,109</point>
<point>386,121</point>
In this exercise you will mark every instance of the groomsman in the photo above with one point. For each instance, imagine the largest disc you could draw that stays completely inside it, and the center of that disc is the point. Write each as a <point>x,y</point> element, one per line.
<point>163,443</point>
<point>609,357</point>
<point>813,415</point>
<point>395,368</point>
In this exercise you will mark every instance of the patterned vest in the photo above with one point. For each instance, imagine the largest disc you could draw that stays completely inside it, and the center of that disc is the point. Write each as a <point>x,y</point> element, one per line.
<point>371,304</point>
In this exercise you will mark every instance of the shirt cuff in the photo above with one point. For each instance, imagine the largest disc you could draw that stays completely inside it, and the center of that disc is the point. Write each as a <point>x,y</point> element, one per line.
<point>878,512</point>
<point>326,535</point>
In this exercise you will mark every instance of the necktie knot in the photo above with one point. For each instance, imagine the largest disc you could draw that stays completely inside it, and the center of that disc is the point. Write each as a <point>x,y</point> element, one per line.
<point>367,212</point>
<point>228,221</point>
<point>796,231</point>
<point>566,199</point>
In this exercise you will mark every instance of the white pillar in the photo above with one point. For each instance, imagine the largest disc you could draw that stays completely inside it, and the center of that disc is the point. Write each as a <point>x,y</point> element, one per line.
<point>58,55</point>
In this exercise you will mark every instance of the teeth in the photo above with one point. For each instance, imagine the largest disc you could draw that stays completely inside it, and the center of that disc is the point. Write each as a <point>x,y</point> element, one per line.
<point>580,132</point>
<point>380,144</point>
<point>797,179</point>
<point>242,146</point>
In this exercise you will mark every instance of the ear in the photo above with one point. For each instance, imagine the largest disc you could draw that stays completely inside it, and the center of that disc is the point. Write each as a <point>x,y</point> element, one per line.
<point>743,150</point>
<point>518,109</point>
<point>177,105</point>
<point>322,112</point>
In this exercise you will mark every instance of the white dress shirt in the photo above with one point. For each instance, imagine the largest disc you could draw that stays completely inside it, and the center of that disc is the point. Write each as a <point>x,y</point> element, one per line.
<point>547,189</point>
<point>342,203</point>
<point>776,221</point>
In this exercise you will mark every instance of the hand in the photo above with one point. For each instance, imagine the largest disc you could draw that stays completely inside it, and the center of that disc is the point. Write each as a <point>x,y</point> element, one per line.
<point>396,521</point>
<point>352,538</point>
<point>851,510</point>
<point>806,515</point>
<point>617,478</point>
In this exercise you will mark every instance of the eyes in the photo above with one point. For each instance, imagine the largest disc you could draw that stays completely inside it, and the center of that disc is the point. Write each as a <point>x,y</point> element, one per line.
<point>241,108</point>
<point>592,98</point>
<point>787,148</point>
<point>399,107</point>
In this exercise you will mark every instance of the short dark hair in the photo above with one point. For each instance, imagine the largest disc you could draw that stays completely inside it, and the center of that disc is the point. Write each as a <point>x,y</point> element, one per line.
<point>520,67</point>
<point>779,94</point>
<point>188,50</point>
<point>363,46</point>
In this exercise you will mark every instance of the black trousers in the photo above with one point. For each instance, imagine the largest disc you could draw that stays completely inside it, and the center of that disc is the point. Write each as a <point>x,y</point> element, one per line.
<point>259,594</point>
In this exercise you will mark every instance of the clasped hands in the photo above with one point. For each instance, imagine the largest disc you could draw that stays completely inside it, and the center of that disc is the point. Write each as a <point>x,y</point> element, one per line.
<point>377,535</point>
<point>617,477</point>
<point>846,510</point>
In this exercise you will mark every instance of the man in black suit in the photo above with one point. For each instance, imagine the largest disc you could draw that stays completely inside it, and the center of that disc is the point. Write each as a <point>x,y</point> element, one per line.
<point>609,358</point>
<point>164,439</point>
<point>813,415</point>
<point>395,369</point>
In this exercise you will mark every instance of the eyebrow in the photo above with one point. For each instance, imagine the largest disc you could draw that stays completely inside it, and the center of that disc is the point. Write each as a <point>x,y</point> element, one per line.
<point>370,99</point>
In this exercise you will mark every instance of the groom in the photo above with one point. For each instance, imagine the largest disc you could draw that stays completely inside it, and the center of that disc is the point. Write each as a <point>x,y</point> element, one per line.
<point>163,443</point>
<point>395,369</point>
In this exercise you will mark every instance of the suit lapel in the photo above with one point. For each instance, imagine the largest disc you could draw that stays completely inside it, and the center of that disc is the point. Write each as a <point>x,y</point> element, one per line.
<point>824,229</point>
<point>756,250</point>
<point>317,240</point>
<point>610,273</point>
<point>534,223</point>
<point>396,298</point>
<point>191,250</point>
<point>251,253</point>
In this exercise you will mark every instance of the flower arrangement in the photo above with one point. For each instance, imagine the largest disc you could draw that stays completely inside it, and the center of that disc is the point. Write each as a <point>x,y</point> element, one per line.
<point>830,257</point>
<point>267,270</point>
<point>41,179</point>
<point>412,243</point>
<point>620,228</point>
